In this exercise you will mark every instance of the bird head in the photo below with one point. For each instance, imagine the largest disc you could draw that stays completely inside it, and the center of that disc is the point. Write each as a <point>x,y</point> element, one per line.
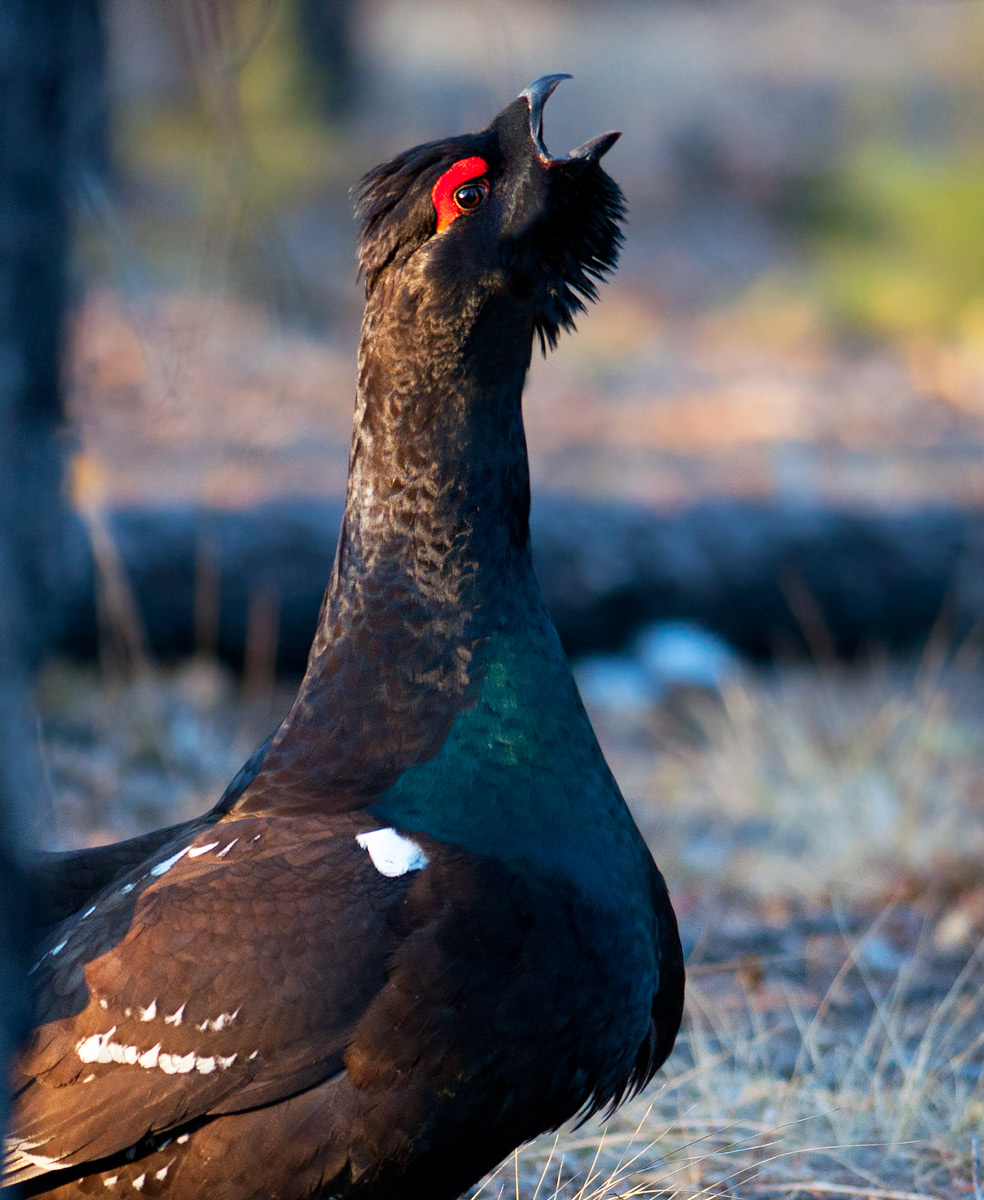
<point>494,216</point>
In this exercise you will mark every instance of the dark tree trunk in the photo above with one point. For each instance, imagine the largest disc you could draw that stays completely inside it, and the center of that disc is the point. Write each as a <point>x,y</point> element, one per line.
<point>327,34</point>
<point>49,59</point>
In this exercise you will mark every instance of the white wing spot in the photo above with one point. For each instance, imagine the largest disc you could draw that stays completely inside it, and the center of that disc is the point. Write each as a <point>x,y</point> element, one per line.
<point>52,952</point>
<point>183,1138</point>
<point>96,1047</point>
<point>196,850</point>
<point>175,1017</point>
<point>127,888</point>
<point>104,1003</point>
<point>392,854</point>
<point>177,1064</point>
<point>139,1181</point>
<point>218,1023</point>
<point>88,913</point>
<point>148,1013</point>
<point>149,1057</point>
<point>168,863</point>
<point>110,1181</point>
<point>162,1173</point>
<point>225,850</point>
<point>101,1048</point>
<point>252,1056</point>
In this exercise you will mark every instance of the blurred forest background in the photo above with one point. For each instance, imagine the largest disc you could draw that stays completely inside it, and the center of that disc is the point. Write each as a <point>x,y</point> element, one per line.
<point>758,472</point>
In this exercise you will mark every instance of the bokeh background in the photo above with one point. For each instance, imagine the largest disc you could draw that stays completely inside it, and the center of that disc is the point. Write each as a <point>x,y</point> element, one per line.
<point>799,313</point>
<point>758,469</point>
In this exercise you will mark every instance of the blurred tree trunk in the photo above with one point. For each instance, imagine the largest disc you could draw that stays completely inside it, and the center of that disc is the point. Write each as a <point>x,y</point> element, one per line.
<point>50,60</point>
<point>328,34</point>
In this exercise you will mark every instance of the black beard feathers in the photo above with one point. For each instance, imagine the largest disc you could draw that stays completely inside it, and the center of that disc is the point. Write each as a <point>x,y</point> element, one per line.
<point>578,242</point>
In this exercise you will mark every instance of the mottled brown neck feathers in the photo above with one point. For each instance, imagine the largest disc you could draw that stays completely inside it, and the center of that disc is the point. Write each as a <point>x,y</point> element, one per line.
<point>433,558</point>
<point>438,492</point>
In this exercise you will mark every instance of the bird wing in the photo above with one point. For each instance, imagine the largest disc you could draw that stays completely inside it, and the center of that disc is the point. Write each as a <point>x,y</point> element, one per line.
<point>224,973</point>
<point>66,882</point>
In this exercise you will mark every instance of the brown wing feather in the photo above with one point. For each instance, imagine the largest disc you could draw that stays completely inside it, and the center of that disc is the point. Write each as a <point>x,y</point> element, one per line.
<point>155,1004</point>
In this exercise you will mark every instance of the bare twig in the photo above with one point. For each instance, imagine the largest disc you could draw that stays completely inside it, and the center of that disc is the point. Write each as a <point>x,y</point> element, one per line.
<point>119,610</point>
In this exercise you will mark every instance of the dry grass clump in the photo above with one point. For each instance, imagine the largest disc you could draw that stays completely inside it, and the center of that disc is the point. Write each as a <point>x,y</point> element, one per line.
<point>806,782</point>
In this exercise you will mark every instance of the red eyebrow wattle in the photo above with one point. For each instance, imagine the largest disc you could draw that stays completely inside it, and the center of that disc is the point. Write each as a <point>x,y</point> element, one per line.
<point>442,193</point>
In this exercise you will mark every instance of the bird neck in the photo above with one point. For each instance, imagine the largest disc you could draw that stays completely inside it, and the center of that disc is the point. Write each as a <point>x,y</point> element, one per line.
<point>437,510</point>
<point>433,572</point>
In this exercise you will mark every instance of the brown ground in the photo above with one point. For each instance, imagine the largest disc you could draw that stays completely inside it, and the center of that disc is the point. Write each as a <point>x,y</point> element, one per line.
<point>196,397</point>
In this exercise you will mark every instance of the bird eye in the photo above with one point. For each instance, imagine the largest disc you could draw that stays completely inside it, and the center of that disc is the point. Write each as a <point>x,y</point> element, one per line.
<point>462,188</point>
<point>471,195</point>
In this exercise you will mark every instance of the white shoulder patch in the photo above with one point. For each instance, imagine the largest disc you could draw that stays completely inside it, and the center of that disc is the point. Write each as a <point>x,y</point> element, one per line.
<point>392,854</point>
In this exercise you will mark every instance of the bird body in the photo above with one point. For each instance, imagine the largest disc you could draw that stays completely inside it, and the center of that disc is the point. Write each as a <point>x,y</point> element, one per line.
<point>421,926</point>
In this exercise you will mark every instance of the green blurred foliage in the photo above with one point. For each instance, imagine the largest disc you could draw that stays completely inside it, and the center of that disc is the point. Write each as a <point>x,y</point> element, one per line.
<point>252,118</point>
<point>214,162</point>
<point>896,240</point>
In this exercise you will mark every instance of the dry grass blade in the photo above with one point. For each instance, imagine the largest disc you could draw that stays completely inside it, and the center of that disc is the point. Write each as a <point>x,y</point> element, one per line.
<point>817,1187</point>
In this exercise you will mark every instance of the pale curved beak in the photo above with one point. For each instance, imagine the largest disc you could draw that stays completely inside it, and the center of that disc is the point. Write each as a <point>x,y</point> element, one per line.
<point>536,96</point>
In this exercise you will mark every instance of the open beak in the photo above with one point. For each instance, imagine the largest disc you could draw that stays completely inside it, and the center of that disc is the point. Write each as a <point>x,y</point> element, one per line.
<point>536,96</point>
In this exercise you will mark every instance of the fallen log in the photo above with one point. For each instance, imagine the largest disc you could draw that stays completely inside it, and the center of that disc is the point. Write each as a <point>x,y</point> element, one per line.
<point>773,580</point>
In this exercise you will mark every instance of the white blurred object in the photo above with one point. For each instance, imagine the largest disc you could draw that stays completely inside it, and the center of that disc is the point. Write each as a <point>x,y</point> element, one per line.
<point>615,684</point>
<point>679,654</point>
<point>661,659</point>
